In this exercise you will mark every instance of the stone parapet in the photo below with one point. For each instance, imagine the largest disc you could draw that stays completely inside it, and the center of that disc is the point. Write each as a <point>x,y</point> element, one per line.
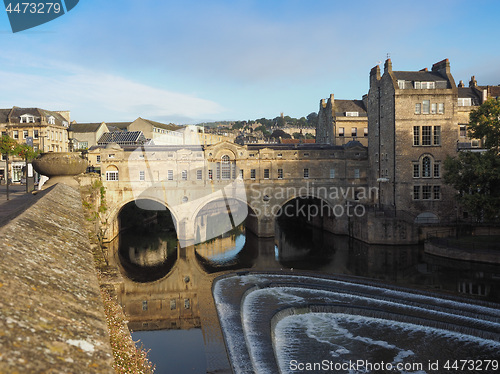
<point>52,318</point>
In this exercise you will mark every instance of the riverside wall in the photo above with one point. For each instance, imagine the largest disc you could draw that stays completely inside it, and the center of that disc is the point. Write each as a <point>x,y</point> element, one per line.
<point>51,313</point>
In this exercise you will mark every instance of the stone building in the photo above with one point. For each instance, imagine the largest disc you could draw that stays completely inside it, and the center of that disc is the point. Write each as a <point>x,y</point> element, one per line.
<point>85,135</point>
<point>414,120</point>
<point>340,121</point>
<point>43,129</point>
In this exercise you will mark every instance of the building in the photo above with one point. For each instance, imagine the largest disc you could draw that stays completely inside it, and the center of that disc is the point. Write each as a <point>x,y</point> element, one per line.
<point>43,129</point>
<point>411,121</point>
<point>85,135</point>
<point>340,121</point>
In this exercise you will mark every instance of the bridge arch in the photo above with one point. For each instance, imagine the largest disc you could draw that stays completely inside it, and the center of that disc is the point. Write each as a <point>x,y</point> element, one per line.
<point>112,218</point>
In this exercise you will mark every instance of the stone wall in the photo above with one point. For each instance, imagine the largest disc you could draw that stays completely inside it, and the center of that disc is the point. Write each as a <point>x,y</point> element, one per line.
<point>52,318</point>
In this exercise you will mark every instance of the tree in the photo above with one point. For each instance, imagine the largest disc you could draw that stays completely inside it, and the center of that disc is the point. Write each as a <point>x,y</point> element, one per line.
<point>484,123</point>
<point>280,134</point>
<point>476,177</point>
<point>312,119</point>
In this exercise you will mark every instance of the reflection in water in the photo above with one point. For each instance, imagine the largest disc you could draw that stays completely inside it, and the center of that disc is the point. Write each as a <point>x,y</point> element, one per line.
<point>168,288</point>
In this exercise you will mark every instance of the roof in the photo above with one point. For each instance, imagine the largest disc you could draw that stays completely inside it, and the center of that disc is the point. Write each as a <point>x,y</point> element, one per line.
<point>118,125</point>
<point>15,114</point>
<point>342,106</point>
<point>468,92</point>
<point>419,76</point>
<point>170,126</point>
<point>84,127</point>
<point>122,138</point>
<point>298,141</point>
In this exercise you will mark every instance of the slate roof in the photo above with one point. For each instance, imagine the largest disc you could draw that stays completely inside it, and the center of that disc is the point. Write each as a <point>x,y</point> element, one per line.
<point>13,116</point>
<point>419,76</point>
<point>84,127</point>
<point>342,106</point>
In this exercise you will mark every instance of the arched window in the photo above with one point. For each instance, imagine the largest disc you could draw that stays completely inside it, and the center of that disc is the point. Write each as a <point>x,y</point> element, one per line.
<point>426,167</point>
<point>225,167</point>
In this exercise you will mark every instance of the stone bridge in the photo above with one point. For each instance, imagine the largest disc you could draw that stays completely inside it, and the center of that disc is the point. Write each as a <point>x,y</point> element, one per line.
<point>232,183</point>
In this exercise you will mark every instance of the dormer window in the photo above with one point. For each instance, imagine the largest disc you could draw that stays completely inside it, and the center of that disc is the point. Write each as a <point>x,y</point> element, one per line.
<point>51,120</point>
<point>27,118</point>
<point>352,114</point>
<point>425,85</point>
<point>401,84</point>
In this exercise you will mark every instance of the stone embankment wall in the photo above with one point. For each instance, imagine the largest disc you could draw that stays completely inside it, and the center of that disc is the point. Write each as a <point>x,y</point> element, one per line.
<point>51,312</point>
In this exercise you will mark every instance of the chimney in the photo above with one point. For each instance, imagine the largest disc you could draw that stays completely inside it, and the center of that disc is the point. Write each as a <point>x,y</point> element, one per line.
<point>375,72</point>
<point>388,66</point>
<point>461,84</point>
<point>442,67</point>
<point>473,82</point>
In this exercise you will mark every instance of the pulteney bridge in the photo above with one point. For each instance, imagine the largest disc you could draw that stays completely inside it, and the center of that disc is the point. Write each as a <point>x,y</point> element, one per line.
<point>230,183</point>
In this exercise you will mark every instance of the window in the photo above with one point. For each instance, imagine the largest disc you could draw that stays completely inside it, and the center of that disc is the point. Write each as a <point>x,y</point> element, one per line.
<point>25,134</point>
<point>172,304</point>
<point>464,101</point>
<point>426,135</point>
<point>145,305</point>
<point>51,120</point>
<point>252,174</point>
<point>341,131</point>
<point>475,143</point>
<point>418,108</point>
<point>225,167</point>
<point>441,108</point>
<point>210,174</point>
<point>142,175</point>
<point>184,175</point>
<point>437,192</point>
<point>425,85</point>
<point>437,170</point>
<point>352,114</point>
<point>280,155</point>
<point>426,167</point>
<point>170,175</point>
<point>111,155</point>
<point>416,192</point>
<point>98,159</point>
<point>416,170</point>
<point>401,84</point>
<point>199,174</point>
<point>463,130</point>
<point>280,173</point>
<point>437,135</point>
<point>112,175</point>
<point>354,132</point>
<point>306,154</point>
<point>35,134</point>
<point>266,173</point>
<point>15,134</point>
<point>332,173</point>
<point>241,173</point>
<point>356,173</point>
<point>426,106</point>
<point>426,192</point>
<point>306,173</point>
<point>434,108</point>
<point>416,135</point>
<point>366,131</point>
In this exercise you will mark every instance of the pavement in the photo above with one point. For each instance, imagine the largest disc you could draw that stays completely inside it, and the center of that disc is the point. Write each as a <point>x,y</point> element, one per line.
<point>19,201</point>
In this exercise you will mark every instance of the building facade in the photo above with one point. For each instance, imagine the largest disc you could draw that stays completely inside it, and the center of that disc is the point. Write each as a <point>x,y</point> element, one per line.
<point>414,120</point>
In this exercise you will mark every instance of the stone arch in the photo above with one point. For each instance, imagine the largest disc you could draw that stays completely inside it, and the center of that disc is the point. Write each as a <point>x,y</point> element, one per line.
<point>112,225</point>
<point>239,212</point>
<point>427,217</point>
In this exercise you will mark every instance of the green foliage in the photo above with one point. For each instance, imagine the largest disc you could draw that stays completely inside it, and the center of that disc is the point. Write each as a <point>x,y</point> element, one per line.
<point>11,147</point>
<point>476,177</point>
<point>280,134</point>
<point>484,123</point>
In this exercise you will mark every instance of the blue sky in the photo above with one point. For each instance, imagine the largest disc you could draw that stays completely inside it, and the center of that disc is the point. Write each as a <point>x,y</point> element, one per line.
<point>190,61</point>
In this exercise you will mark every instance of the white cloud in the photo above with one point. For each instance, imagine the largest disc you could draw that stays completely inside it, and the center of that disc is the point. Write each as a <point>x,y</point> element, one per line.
<point>94,96</point>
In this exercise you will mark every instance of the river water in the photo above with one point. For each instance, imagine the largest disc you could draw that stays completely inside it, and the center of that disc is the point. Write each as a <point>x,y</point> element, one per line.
<point>168,288</point>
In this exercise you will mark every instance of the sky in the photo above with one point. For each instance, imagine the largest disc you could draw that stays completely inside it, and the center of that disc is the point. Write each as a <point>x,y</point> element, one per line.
<point>190,61</point>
